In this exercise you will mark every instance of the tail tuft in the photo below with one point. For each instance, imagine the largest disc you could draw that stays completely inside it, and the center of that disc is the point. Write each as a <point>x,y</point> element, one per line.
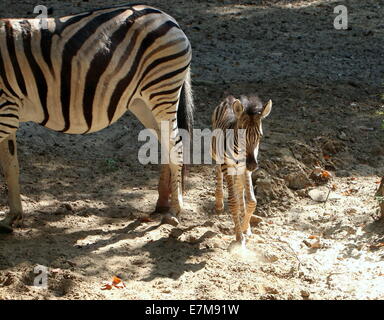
<point>185,116</point>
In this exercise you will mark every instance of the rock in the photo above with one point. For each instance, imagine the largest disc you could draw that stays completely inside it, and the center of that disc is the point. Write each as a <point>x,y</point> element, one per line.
<point>259,174</point>
<point>176,232</point>
<point>69,207</point>
<point>305,153</point>
<point>318,195</point>
<point>169,219</point>
<point>265,185</point>
<point>271,188</point>
<point>331,146</point>
<point>305,294</point>
<point>342,136</point>
<point>298,180</point>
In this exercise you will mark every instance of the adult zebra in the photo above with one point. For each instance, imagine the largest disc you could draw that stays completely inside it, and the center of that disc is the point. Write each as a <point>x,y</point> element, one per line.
<point>81,73</point>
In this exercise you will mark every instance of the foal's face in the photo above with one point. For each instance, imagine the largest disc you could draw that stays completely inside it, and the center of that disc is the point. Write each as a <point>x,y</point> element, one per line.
<point>249,112</point>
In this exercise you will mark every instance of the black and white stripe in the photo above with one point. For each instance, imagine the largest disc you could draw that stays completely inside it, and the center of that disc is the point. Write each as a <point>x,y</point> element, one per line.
<point>237,160</point>
<point>83,72</point>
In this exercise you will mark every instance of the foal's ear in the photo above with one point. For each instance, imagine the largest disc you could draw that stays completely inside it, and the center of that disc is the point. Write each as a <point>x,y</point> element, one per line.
<point>266,109</point>
<point>238,108</point>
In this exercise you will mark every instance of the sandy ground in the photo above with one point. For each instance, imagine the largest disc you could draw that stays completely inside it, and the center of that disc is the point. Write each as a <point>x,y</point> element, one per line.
<point>88,200</point>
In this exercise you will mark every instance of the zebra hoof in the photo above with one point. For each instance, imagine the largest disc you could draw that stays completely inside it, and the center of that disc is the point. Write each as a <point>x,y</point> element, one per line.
<point>248,233</point>
<point>4,228</point>
<point>170,219</point>
<point>237,246</point>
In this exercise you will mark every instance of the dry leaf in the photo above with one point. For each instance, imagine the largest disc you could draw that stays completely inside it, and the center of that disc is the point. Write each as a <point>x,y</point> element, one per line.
<point>107,286</point>
<point>116,282</point>
<point>145,219</point>
<point>378,245</point>
<point>349,192</point>
<point>326,174</point>
<point>313,245</point>
<point>320,175</point>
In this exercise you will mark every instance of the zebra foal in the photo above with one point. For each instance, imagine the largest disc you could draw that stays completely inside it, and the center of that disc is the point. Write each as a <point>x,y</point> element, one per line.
<point>237,160</point>
<point>79,74</point>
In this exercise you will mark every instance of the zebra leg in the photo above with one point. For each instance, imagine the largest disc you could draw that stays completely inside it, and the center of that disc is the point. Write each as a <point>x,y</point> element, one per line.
<point>176,166</point>
<point>233,203</point>
<point>251,203</point>
<point>240,193</point>
<point>10,166</point>
<point>219,195</point>
<point>163,203</point>
<point>174,148</point>
<point>176,187</point>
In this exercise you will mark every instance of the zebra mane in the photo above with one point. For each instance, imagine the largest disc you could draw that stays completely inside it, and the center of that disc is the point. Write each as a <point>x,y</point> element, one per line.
<point>252,104</point>
<point>19,27</point>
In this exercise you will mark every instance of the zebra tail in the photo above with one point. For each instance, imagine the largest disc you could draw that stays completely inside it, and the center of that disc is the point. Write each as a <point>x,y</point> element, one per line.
<point>185,119</point>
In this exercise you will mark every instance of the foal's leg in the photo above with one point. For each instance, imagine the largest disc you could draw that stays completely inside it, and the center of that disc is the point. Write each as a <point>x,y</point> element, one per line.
<point>240,193</point>
<point>219,195</point>
<point>233,203</point>
<point>251,203</point>
<point>10,166</point>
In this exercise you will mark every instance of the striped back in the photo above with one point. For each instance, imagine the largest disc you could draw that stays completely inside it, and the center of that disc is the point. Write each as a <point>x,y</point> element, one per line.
<point>83,72</point>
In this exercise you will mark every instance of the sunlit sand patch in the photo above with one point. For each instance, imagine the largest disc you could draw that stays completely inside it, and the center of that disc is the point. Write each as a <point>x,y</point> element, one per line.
<point>245,254</point>
<point>92,239</point>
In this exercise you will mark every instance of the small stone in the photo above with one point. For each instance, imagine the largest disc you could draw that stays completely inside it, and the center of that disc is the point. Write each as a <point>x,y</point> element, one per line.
<point>318,195</point>
<point>176,232</point>
<point>69,207</point>
<point>166,291</point>
<point>305,293</point>
<point>342,136</point>
<point>297,180</point>
<point>169,219</point>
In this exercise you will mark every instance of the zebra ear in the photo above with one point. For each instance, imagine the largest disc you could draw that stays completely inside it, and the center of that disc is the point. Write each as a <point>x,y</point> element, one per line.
<point>238,108</point>
<point>266,109</point>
